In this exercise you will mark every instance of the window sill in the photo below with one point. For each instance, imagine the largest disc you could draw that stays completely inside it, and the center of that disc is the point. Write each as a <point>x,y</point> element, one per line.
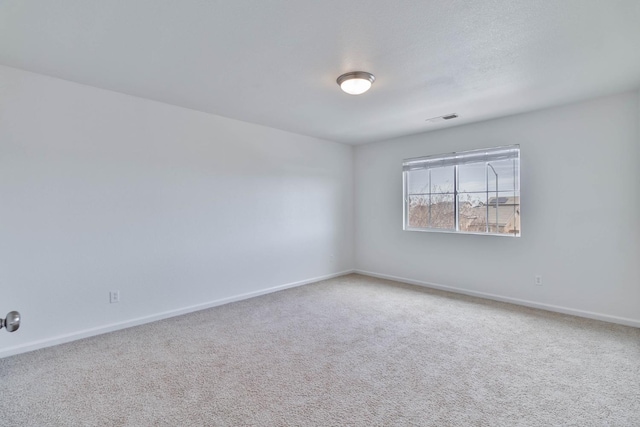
<point>437,230</point>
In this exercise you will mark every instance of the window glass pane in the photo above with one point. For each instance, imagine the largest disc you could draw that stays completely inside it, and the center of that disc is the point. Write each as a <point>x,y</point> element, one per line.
<point>418,181</point>
<point>442,180</point>
<point>472,212</point>
<point>442,212</point>
<point>472,177</point>
<point>418,211</point>
<point>506,178</point>
<point>504,213</point>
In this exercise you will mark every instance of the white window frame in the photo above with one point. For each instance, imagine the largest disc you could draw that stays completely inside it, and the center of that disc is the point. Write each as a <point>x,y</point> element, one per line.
<point>456,159</point>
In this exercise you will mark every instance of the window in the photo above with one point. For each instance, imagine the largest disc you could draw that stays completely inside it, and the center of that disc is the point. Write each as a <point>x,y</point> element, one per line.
<point>467,192</point>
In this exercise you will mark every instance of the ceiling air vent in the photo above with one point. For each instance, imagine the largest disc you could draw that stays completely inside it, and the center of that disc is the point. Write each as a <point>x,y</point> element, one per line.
<point>442,118</point>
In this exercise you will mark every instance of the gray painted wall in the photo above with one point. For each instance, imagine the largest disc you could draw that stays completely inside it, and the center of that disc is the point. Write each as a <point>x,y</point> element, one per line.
<point>174,208</point>
<point>580,200</point>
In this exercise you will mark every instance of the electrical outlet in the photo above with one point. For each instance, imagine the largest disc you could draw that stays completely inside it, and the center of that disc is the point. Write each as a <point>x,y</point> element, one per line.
<point>114,296</point>
<point>538,280</point>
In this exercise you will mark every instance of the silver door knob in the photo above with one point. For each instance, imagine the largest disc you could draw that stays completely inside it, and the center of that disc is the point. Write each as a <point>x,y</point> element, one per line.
<point>12,322</point>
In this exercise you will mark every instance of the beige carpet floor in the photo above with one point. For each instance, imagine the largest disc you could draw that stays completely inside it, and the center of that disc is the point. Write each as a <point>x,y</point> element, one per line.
<point>352,351</point>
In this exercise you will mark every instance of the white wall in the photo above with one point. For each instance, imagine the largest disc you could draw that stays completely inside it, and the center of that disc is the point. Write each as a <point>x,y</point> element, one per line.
<point>174,208</point>
<point>180,210</point>
<point>580,212</point>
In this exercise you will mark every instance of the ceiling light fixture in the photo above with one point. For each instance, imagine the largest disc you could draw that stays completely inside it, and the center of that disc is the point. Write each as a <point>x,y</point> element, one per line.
<point>356,82</point>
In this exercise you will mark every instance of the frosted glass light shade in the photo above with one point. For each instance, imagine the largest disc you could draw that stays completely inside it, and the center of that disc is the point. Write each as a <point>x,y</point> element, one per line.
<point>356,82</point>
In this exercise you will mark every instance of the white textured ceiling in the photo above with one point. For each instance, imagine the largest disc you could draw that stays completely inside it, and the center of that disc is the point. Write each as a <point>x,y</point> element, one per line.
<point>274,62</point>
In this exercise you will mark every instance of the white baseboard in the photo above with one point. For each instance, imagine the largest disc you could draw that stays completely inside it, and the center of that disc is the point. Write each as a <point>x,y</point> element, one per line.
<point>61,339</point>
<point>526,303</point>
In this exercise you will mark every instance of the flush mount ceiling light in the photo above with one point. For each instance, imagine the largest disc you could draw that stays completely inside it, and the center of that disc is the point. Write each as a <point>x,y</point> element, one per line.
<point>356,82</point>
